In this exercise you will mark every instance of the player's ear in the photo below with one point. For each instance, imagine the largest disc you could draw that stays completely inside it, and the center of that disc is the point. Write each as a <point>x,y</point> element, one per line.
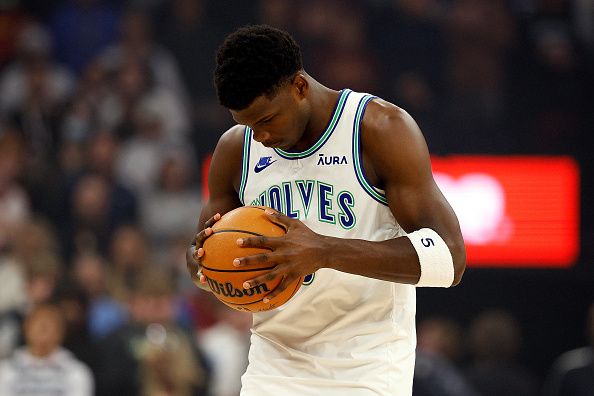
<point>300,85</point>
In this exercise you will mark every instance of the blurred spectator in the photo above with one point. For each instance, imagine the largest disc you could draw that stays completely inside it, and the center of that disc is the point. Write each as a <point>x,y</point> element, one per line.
<point>135,93</point>
<point>43,271</point>
<point>104,312</point>
<point>495,340</point>
<point>12,19</point>
<point>33,92</point>
<point>29,272</point>
<point>136,42</point>
<point>12,293</point>
<point>88,226</point>
<point>154,355</point>
<point>439,347</point>
<point>185,30</point>
<point>97,207</point>
<point>192,36</point>
<point>81,117</point>
<point>571,374</point>
<point>14,202</point>
<point>82,29</point>
<point>173,208</point>
<point>480,36</point>
<point>42,367</point>
<point>558,109</point>
<point>130,254</point>
<point>103,150</point>
<point>74,305</point>
<point>13,301</point>
<point>34,238</point>
<point>102,154</point>
<point>583,11</point>
<point>277,13</point>
<point>175,256</point>
<point>338,37</point>
<point>226,345</point>
<point>408,38</point>
<point>141,157</point>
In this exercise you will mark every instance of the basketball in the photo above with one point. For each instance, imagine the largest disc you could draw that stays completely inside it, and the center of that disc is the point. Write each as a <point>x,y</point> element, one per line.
<point>220,249</point>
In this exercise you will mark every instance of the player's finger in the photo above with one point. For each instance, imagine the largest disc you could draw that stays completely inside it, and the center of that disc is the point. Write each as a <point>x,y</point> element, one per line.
<point>258,242</point>
<point>267,277</point>
<point>279,218</point>
<point>210,222</point>
<point>285,282</point>
<point>202,235</point>
<point>255,259</point>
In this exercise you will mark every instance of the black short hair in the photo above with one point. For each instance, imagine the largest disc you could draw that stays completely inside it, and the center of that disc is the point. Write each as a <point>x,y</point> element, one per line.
<point>252,61</point>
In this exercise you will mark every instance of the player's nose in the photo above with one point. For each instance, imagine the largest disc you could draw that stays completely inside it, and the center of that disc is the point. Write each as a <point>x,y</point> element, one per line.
<point>261,136</point>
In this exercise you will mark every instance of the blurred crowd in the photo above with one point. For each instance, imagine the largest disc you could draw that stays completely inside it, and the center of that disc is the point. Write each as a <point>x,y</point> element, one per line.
<point>108,113</point>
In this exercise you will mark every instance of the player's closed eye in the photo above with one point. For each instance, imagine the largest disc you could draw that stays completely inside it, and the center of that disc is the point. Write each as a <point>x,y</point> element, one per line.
<point>267,120</point>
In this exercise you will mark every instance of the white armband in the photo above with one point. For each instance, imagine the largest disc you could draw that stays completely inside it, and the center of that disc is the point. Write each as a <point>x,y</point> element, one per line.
<point>435,258</point>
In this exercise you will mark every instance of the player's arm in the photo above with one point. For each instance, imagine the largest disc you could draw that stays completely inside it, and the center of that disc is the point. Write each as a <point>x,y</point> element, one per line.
<point>396,159</point>
<point>223,183</point>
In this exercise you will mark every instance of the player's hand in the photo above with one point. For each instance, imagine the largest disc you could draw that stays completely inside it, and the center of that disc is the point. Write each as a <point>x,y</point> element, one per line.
<point>296,254</point>
<point>195,252</point>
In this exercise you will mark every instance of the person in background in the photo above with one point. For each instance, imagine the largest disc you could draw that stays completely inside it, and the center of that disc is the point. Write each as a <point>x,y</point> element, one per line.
<point>15,207</point>
<point>42,367</point>
<point>226,345</point>
<point>154,355</point>
<point>495,339</point>
<point>33,90</point>
<point>164,210</point>
<point>28,270</point>
<point>105,313</point>
<point>74,306</point>
<point>572,372</point>
<point>439,346</point>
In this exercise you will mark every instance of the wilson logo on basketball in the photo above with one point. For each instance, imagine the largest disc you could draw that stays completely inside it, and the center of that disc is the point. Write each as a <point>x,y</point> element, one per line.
<point>228,290</point>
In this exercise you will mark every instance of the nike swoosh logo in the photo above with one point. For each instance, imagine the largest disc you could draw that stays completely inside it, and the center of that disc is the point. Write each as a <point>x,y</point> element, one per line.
<point>259,168</point>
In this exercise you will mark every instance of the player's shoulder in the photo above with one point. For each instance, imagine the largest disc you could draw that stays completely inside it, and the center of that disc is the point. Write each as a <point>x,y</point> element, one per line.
<point>232,137</point>
<point>384,121</point>
<point>228,153</point>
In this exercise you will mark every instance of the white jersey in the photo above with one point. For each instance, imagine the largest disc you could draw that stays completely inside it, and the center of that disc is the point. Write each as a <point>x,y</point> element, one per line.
<point>340,334</point>
<point>60,373</point>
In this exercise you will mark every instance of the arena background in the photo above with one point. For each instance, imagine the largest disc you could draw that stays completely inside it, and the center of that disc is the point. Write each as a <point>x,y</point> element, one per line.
<point>108,117</point>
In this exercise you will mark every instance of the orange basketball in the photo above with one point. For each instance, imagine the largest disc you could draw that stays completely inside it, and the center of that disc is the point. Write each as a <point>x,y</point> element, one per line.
<point>220,249</point>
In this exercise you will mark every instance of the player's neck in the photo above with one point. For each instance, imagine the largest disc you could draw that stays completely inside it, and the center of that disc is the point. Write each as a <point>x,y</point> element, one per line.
<point>323,102</point>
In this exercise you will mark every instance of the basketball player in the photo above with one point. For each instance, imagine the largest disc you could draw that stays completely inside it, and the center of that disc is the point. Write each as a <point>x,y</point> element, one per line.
<point>350,178</point>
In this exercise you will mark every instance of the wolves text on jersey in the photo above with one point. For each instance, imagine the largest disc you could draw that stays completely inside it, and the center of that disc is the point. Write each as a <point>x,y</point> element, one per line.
<point>295,200</point>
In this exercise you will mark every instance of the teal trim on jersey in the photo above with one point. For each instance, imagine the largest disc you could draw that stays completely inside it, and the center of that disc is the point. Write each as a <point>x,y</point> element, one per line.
<point>325,136</point>
<point>357,155</point>
<point>245,167</point>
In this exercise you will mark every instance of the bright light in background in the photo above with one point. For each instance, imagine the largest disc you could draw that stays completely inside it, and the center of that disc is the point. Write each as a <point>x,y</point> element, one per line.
<point>514,211</point>
<point>479,201</point>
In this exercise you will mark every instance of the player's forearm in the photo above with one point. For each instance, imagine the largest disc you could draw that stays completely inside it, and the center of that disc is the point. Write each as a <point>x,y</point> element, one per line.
<point>393,260</point>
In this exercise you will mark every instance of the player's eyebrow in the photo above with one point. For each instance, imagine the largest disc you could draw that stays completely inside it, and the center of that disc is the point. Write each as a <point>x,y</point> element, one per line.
<point>265,118</point>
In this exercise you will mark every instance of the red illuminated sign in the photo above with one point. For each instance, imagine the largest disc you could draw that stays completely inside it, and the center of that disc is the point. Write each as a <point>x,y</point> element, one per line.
<point>514,211</point>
